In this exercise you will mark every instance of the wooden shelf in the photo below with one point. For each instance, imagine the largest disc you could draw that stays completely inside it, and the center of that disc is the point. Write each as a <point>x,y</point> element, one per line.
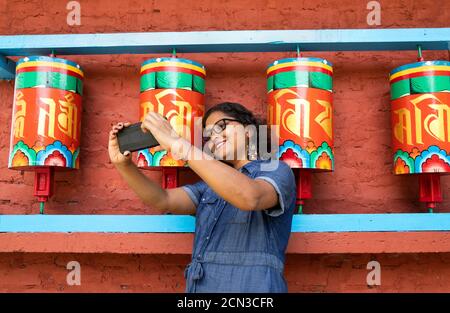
<point>304,223</point>
<point>173,234</point>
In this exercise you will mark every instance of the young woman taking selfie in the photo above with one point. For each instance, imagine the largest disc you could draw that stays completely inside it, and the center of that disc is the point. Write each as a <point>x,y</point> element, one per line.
<point>243,210</point>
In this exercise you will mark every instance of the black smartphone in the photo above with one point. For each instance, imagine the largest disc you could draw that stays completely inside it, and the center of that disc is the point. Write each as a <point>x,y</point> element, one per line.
<point>132,138</point>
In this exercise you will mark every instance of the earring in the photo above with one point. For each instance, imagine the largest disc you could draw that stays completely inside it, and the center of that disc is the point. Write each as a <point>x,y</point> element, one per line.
<point>252,153</point>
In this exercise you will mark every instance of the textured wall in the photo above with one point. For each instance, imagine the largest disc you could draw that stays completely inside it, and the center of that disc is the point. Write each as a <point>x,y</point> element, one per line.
<point>362,182</point>
<point>35,272</point>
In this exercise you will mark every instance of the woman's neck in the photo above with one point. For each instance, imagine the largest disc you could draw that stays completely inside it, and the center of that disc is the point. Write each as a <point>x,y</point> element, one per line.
<point>240,163</point>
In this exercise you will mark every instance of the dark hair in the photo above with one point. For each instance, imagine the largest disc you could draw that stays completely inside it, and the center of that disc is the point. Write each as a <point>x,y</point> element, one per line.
<point>235,110</point>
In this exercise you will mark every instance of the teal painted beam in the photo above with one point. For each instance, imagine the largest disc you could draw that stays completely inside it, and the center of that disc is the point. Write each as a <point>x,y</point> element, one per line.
<point>305,223</point>
<point>227,41</point>
<point>7,68</point>
<point>401,222</point>
<point>221,41</point>
<point>98,223</point>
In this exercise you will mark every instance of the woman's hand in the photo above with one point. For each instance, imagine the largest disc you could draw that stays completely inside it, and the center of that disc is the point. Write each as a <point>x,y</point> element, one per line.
<point>174,200</point>
<point>165,134</point>
<point>116,157</point>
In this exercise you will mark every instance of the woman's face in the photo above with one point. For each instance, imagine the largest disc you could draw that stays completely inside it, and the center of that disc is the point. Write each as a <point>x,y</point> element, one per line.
<point>228,137</point>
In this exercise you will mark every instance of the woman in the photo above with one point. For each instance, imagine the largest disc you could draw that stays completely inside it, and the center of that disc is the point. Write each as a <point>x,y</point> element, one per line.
<point>243,209</point>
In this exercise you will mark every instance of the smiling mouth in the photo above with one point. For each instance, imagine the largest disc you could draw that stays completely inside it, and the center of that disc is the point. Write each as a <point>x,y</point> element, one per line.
<point>220,144</point>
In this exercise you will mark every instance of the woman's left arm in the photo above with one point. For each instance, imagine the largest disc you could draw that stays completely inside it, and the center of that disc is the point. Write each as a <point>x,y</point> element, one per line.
<point>234,187</point>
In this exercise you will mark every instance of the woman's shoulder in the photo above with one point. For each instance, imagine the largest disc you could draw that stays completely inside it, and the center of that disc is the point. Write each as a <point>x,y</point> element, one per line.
<point>272,165</point>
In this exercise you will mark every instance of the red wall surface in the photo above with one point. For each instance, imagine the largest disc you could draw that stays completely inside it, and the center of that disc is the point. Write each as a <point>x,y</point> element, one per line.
<point>362,183</point>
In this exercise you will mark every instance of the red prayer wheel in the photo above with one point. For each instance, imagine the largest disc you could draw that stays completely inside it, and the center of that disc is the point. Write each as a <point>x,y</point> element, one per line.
<point>420,109</point>
<point>46,119</point>
<point>175,88</point>
<point>300,103</point>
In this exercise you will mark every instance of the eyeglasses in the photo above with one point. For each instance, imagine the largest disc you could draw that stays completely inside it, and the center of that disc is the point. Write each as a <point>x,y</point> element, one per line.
<point>217,128</point>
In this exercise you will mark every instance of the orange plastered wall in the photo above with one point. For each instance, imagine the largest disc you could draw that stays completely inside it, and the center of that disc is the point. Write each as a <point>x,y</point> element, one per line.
<point>362,182</point>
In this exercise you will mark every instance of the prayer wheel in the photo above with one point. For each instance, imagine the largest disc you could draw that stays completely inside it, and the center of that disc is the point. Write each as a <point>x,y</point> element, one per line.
<point>175,88</point>
<point>420,110</point>
<point>46,119</point>
<point>300,104</point>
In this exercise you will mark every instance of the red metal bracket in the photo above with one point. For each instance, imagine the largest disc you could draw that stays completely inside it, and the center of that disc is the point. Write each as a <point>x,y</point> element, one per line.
<point>304,187</point>
<point>43,184</point>
<point>430,189</point>
<point>169,177</point>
